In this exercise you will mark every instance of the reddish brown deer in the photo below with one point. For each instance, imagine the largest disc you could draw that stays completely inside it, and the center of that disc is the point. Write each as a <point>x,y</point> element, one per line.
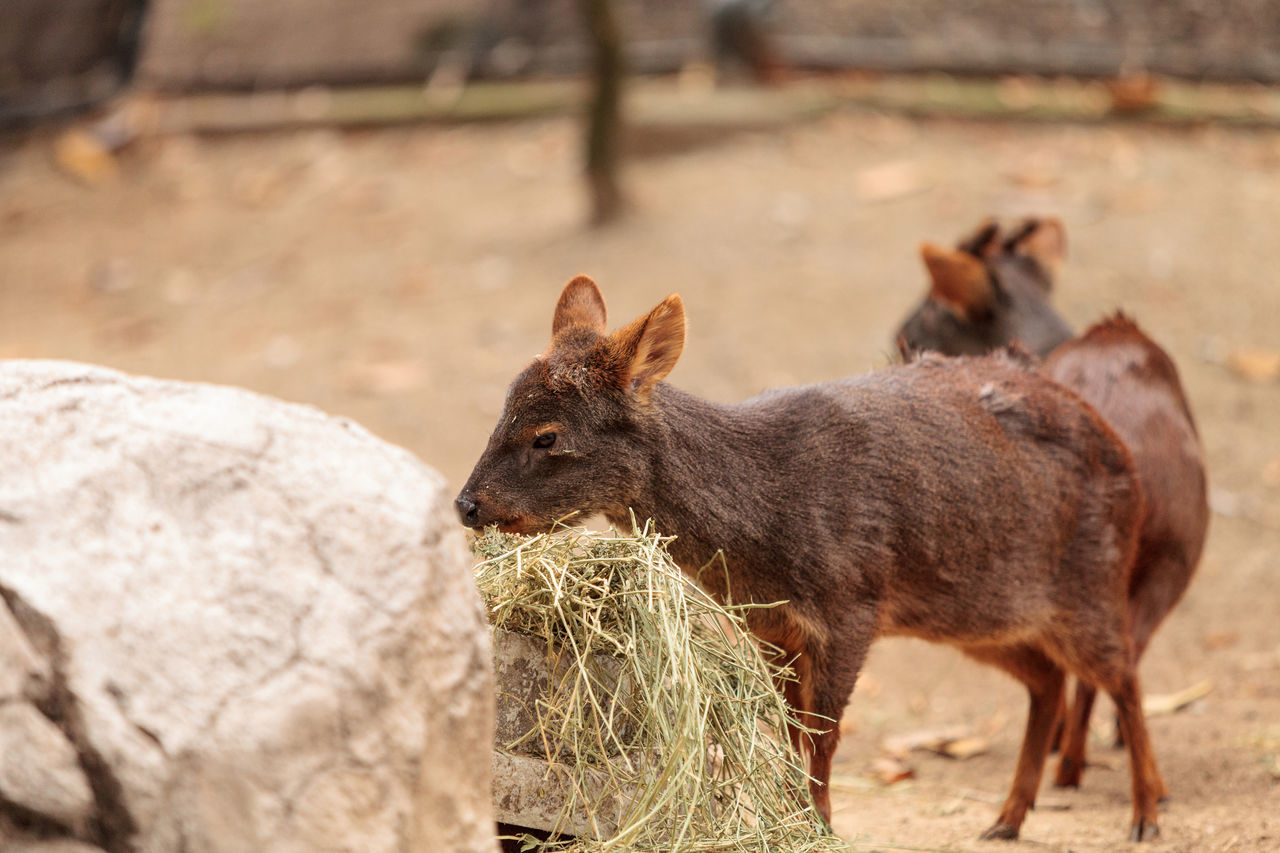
<point>966,501</point>
<point>1125,375</point>
<point>1134,385</point>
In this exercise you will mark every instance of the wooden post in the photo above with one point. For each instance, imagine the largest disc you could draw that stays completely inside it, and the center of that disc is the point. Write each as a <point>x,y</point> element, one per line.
<point>604,110</point>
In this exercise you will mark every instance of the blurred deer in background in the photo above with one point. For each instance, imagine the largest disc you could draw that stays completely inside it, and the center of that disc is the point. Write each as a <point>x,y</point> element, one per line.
<point>739,35</point>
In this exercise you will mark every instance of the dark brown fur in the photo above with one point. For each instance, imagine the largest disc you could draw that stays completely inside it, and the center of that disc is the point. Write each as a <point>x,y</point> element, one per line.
<point>966,501</point>
<point>1133,384</point>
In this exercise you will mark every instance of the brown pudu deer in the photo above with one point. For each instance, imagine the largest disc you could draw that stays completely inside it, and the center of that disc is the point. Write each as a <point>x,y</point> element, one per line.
<point>1125,375</point>
<point>966,501</point>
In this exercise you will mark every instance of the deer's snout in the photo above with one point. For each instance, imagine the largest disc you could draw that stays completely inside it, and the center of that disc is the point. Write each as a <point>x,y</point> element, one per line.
<point>468,509</point>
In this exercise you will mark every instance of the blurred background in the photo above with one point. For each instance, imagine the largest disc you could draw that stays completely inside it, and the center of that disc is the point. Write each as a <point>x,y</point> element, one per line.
<point>371,207</point>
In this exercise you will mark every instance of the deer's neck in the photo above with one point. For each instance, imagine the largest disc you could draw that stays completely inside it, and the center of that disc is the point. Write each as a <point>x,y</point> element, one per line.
<point>710,466</point>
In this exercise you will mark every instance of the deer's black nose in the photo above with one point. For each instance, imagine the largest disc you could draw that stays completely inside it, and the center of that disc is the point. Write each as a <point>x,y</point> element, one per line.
<point>468,511</point>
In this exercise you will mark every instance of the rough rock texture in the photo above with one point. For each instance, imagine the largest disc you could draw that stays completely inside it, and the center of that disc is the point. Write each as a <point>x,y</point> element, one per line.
<point>59,845</point>
<point>39,768</point>
<point>252,625</point>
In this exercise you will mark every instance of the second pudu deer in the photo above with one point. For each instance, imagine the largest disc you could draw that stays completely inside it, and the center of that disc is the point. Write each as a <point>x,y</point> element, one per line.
<point>989,291</point>
<point>992,290</point>
<point>965,501</point>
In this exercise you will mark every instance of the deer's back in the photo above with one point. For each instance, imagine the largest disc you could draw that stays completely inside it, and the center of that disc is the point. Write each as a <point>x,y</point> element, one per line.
<point>1134,385</point>
<point>971,498</point>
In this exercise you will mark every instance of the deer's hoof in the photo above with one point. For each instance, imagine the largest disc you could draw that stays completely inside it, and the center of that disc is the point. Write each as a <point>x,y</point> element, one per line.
<point>1068,775</point>
<point>1000,832</point>
<point>1118,741</point>
<point>1144,830</point>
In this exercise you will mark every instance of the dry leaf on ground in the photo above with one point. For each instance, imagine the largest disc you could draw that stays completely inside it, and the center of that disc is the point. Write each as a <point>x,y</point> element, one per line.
<point>890,181</point>
<point>887,770</point>
<point>1167,703</point>
<point>1271,472</point>
<point>932,739</point>
<point>1217,640</point>
<point>79,155</point>
<point>965,747</point>
<point>1255,365</point>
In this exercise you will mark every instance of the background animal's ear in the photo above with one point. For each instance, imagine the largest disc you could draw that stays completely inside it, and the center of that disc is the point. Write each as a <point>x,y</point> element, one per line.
<point>907,352</point>
<point>647,349</point>
<point>958,281</point>
<point>581,304</point>
<point>984,241</point>
<point>1044,239</point>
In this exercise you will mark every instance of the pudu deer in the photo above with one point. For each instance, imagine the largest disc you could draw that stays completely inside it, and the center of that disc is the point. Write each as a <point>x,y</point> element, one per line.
<point>965,501</point>
<point>992,290</point>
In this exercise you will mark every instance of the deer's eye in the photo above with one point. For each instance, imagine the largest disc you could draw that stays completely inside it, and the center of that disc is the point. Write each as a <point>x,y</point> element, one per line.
<point>545,440</point>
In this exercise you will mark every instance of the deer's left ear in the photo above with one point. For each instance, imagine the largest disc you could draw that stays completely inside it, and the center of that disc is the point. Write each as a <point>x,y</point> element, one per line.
<point>958,281</point>
<point>581,304</point>
<point>646,350</point>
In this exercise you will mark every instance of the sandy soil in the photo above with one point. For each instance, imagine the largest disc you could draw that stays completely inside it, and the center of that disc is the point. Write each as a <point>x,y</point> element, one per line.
<point>402,277</point>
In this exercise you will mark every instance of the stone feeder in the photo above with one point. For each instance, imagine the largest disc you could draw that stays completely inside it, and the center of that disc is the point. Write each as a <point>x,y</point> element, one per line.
<point>528,790</point>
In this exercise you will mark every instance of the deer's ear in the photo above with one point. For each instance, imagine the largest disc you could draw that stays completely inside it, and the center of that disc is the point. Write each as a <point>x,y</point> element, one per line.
<point>1044,239</point>
<point>581,304</point>
<point>906,352</point>
<point>959,281</point>
<point>647,349</point>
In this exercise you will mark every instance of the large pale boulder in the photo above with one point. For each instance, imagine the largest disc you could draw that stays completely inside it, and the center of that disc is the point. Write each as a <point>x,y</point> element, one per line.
<point>229,624</point>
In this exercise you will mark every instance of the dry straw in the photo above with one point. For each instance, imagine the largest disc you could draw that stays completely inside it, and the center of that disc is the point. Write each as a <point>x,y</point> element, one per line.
<point>681,743</point>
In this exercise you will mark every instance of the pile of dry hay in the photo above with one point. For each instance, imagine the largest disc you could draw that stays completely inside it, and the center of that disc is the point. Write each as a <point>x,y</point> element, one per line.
<point>684,743</point>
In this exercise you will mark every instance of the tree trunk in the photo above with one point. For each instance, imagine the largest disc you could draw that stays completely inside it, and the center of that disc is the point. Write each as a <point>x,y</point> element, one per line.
<point>604,110</point>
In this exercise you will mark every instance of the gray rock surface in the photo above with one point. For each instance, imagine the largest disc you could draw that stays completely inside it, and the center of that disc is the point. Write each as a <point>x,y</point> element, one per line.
<point>23,672</point>
<point>59,845</point>
<point>39,768</point>
<point>254,624</point>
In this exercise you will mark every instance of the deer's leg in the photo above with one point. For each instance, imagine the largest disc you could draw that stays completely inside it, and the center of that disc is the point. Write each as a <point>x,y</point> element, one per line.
<point>1110,666</point>
<point>834,661</point>
<point>790,690</point>
<point>1072,763</point>
<point>1059,726</point>
<point>830,699</point>
<point>1044,680</point>
<point>1157,586</point>
<point>800,696</point>
<point>1145,776</point>
<point>826,650</point>
<point>791,642</point>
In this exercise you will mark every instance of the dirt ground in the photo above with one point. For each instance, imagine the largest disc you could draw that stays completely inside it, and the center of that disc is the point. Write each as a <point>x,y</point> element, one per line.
<point>401,277</point>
